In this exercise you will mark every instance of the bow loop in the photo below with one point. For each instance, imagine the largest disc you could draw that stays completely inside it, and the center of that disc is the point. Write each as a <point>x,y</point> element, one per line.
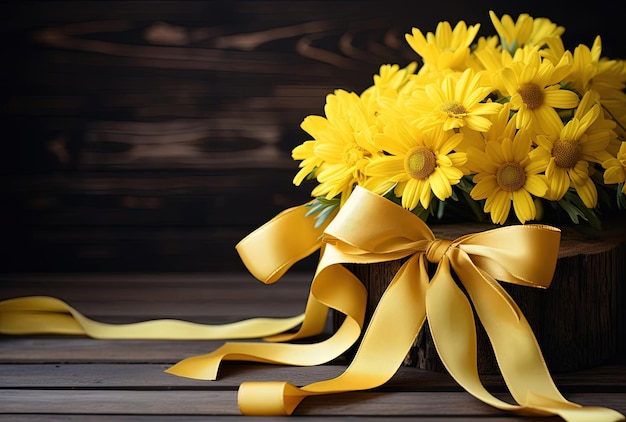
<point>269,251</point>
<point>367,228</point>
<point>524,255</point>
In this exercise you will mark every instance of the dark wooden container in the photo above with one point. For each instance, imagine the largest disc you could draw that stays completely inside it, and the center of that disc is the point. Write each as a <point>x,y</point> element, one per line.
<point>579,321</point>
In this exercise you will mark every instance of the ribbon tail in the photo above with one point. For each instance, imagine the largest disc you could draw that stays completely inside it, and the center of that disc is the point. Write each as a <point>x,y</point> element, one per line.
<point>334,287</point>
<point>49,315</point>
<point>206,367</point>
<point>451,321</point>
<point>573,412</point>
<point>516,349</point>
<point>313,323</point>
<point>394,326</point>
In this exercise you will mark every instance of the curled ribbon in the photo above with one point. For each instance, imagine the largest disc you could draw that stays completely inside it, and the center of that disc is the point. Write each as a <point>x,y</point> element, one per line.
<point>371,229</point>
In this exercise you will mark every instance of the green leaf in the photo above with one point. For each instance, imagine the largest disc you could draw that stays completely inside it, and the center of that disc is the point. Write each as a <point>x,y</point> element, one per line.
<point>441,208</point>
<point>421,212</point>
<point>575,208</point>
<point>621,197</point>
<point>321,208</point>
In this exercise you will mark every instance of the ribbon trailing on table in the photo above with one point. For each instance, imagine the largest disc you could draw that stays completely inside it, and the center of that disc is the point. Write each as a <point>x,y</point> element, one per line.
<point>48,315</point>
<point>370,229</point>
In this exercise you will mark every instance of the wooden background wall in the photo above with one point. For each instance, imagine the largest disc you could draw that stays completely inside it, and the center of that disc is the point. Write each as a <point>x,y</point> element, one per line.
<point>154,135</point>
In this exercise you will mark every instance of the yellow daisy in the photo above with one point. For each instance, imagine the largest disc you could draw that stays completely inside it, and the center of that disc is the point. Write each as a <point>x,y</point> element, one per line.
<point>390,84</point>
<point>616,168</point>
<point>309,162</point>
<point>543,31</point>
<point>524,31</point>
<point>535,92</point>
<point>447,48</point>
<point>506,175</point>
<point>391,76</point>
<point>493,59</point>
<point>567,152</point>
<point>592,72</point>
<point>455,102</point>
<point>419,163</point>
<point>502,126</point>
<point>512,34</point>
<point>342,146</point>
<point>589,70</point>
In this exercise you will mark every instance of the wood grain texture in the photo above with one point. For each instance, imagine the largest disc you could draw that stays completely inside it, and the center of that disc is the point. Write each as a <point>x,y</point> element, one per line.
<point>153,135</point>
<point>225,403</point>
<point>130,373</point>
<point>60,378</point>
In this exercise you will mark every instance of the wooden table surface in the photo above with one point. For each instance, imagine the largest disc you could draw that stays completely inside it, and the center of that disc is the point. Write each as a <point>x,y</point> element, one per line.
<point>56,378</point>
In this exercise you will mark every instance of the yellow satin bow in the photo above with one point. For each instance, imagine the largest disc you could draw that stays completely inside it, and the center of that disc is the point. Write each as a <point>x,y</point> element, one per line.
<point>370,229</point>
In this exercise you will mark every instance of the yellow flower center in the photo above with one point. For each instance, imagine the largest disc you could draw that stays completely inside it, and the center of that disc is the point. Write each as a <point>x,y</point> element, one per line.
<point>511,177</point>
<point>353,153</point>
<point>566,153</point>
<point>420,162</point>
<point>452,107</point>
<point>531,95</point>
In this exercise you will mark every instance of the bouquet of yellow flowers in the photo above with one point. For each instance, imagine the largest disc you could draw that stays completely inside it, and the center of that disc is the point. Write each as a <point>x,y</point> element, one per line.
<point>508,122</point>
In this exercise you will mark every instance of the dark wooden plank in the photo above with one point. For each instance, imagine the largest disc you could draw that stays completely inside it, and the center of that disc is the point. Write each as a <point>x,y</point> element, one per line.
<point>204,313</point>
<point>141,376</point>
<point>193,418</point>
<point>143,280</point>
<point>183,287</point>
<point>200,297</point>
<point>387,404</point>
<point>144,375</point>
<point>131,282</point>
<point>82,350</point>
<point>80,377</point>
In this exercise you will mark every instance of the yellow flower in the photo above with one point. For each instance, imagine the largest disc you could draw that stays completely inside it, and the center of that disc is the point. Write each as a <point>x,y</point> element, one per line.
<point>506,175</point>
<point>391,76</point>
<point>590,71</point>
<point>616,168</point>
<point>534,90</point>
<point>502,127</point>
<point>524,31</point>
<point>309,162</point>
<point>446,48</point>
<point>419,163</point>
<point>543,31</point>
<point>341,147</point>
<point>455,102</point>
<point>512,34</point>
<point>390,84</point>
<point>518,114</point>
<point>568,151</point>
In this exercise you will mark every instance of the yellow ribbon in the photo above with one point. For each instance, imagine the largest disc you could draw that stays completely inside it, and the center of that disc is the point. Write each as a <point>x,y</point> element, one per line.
<point>48,315</point>
<point>371,229</point>
<point>368,229</point>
